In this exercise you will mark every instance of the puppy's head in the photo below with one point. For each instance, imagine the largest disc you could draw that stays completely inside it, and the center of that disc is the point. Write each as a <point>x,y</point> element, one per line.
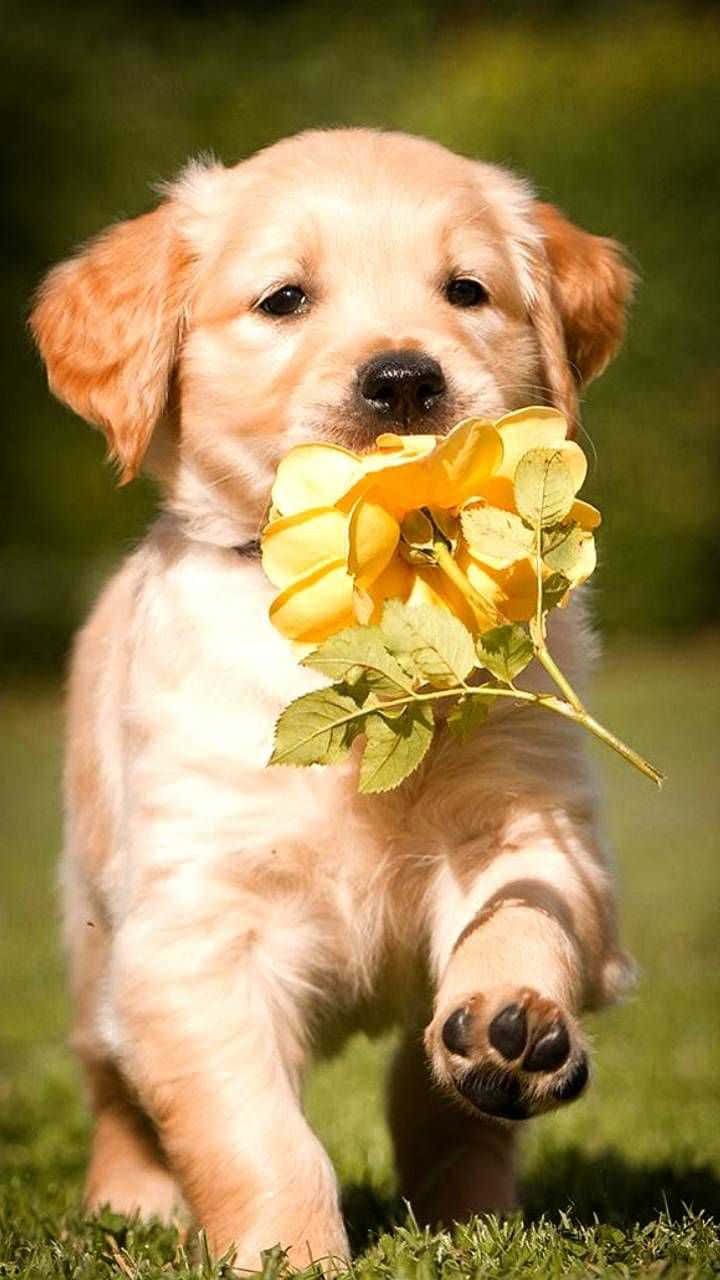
<point>335,286</point>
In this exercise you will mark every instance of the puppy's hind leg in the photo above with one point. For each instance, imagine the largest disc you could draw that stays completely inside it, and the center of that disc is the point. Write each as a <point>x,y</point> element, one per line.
<point>450,1164</point>
<point>128,1170</point>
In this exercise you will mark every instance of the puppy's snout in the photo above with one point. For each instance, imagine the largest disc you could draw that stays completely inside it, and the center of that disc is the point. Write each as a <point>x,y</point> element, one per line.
<point>401,385</point>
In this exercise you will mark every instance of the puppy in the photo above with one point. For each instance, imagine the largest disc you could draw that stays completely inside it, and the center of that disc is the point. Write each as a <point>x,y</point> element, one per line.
<point>224,919</point>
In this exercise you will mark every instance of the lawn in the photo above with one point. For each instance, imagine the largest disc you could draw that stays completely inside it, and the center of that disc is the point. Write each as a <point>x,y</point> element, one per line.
<point>624,1183</point>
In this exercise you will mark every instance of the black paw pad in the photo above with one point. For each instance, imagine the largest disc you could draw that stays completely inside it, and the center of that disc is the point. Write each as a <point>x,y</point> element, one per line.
<point>550,1051</point>
<point>456,1032</point>
<point>508,1031</point>
<point>574,1082</point>
<point>493,1095</point>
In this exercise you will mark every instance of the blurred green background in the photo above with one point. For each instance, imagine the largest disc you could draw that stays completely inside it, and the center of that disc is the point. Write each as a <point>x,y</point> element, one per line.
<point>612,110</point>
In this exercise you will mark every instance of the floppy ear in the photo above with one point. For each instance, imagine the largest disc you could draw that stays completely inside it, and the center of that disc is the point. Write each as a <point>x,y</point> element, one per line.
<point>108,323</point>
<point>590,286</point>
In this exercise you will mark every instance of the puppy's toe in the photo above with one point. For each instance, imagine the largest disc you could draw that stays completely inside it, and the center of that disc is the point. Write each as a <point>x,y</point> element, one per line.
<point>456,1032</point>
<point>508,1031</point>
<point>510,1058</point>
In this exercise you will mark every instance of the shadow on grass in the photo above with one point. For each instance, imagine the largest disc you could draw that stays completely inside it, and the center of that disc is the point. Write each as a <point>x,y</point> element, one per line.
<point>612,1188</point>
<point>368,1213</point>
<point>607,1187</point>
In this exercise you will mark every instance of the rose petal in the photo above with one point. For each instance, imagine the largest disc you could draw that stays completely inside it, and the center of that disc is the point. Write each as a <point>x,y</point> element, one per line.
<point>462,462</point>
<point>443,478</point>
<point>412,446</point>
<point>314,475</point>
<point>496,491</point>
<point>513,590</point>
<point>391,452</point>
<point>484,581</point>
<point>538,427</point>
<point>432,587</point>
<point>294,546</point>
<point>394,583</point>
<point>587,516</point>
<point>316,606</point>
<point>399,488</point>
<point>373,537</point>
<point>519,587</point>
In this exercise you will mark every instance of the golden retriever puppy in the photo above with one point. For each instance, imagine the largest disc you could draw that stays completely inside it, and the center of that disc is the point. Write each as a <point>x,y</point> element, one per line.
<point>224,920</point>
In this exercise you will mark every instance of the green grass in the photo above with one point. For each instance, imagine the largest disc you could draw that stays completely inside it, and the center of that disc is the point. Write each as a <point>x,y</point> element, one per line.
<point>623,1183</point>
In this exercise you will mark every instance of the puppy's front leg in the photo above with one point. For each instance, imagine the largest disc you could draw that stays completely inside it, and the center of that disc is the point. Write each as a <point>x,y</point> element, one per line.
<point>504,1035</point>
<point>211,1037</point>
<point>521,945</point>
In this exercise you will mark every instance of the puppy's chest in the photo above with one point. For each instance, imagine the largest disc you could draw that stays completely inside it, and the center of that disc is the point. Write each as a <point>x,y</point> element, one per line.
<point>210,676</point>
<point>299,846</point>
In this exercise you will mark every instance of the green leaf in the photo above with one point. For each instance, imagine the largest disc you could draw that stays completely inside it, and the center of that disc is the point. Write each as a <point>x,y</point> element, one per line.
<point>417,538</point>
<point>468,714</point>
<point>317,728</point>
<point>436,642</point>
<point>492,534</point>
<point>554,590</point>
<point>356,652</point>
<point>570,550</point>
<point>393,749</point>
<point>505,651</point>
<point>544,487</point>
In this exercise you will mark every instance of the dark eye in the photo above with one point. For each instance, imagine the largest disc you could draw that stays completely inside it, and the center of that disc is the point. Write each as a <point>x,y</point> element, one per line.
<point>463,291</point>
<point>284,302</point>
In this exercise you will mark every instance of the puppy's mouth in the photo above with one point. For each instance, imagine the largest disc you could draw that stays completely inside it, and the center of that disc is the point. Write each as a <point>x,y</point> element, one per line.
<point>357,429</point>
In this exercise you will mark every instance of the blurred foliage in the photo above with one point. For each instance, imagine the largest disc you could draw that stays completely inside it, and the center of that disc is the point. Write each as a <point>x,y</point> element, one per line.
<point>611,108</point>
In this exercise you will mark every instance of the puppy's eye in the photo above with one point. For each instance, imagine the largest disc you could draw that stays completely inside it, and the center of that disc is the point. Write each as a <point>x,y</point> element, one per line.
<point>284,302</point>
<point>463,291</point>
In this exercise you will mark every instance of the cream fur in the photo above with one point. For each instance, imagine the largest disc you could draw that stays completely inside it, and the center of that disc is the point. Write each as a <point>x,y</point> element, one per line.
<point>224,919</point>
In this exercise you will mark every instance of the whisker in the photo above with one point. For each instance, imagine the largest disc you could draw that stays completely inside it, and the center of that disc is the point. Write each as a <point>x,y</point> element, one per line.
<point>590,444</point>
<point>530,387</point>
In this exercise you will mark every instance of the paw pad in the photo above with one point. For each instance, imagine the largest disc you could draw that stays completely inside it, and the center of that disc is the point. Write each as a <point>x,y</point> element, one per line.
<point>574,1082</point>
<point>508,1031</point>
<point>455,1032</point>
<point>494,1095</point>
<point>526,1059</point>
<point>550,1050</point>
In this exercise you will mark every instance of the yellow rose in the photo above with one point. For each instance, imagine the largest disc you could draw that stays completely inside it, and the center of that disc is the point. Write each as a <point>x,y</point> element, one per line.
<point>350,531</point>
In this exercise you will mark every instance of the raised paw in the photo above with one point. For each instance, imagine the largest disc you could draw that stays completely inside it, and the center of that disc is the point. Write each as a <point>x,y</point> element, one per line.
<point>511,1058</point>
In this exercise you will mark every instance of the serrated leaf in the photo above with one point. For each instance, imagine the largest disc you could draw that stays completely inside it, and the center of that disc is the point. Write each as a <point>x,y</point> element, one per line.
<point>505,651</point>
<point>417,530</point>
<point>570,550</point>
<point>356,652</point>
<point>495,536</point>
<point>317,728</point>
<point>554,590</point>
<point>544,487</point>
<point>438,645</point>
<point>394,748</point>
<point>468,714</point>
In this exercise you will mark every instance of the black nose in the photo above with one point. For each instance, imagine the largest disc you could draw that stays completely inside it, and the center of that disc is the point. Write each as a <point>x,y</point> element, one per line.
<point>402,384</point>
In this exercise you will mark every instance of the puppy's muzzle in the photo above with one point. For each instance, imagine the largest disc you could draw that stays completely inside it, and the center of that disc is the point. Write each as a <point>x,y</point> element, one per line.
<point>401,387</point>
